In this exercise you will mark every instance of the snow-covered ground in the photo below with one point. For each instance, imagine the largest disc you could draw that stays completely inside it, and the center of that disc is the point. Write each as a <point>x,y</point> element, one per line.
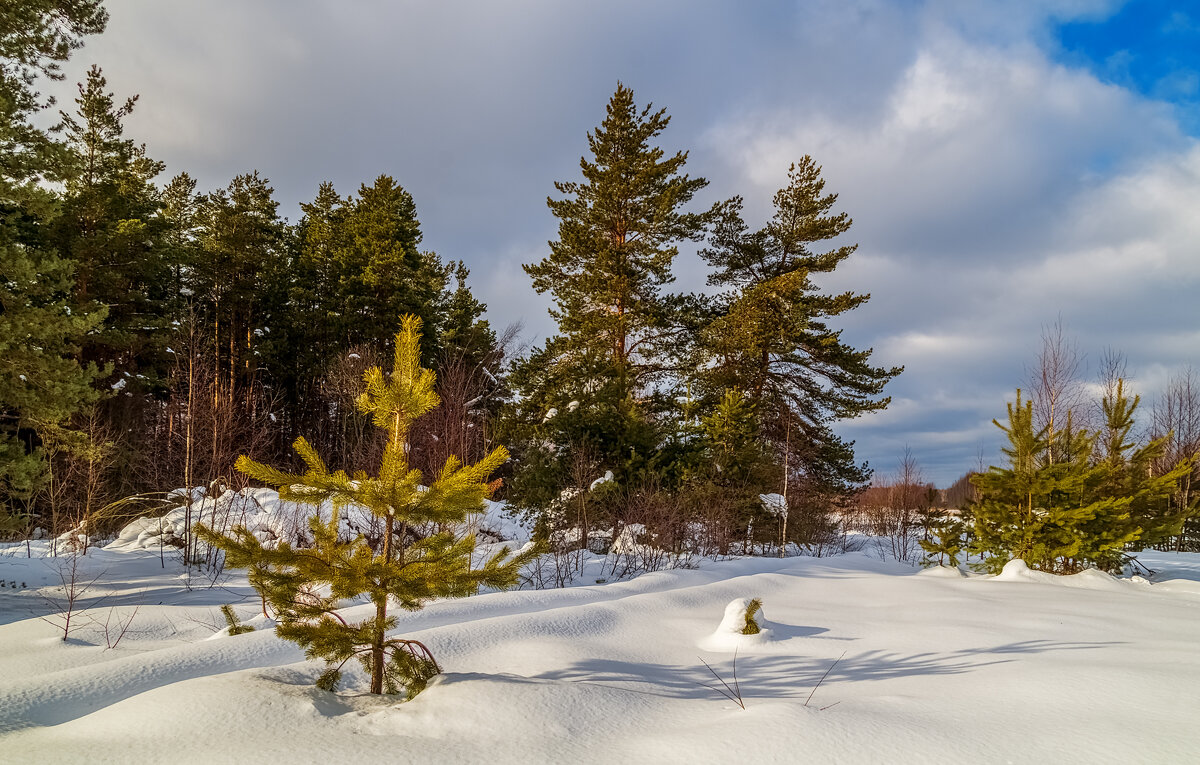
<point>931,666</point>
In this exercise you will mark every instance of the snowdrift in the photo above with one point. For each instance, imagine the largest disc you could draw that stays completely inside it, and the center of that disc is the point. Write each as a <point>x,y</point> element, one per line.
<point>1019,667</point>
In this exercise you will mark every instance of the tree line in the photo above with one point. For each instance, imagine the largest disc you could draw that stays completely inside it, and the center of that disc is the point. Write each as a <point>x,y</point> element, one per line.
<point>154,331</point>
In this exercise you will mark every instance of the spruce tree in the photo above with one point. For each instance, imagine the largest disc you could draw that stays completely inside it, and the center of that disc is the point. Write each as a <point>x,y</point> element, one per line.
<point>467,336</point>
<point>771,336</point>
<point>410,573</point>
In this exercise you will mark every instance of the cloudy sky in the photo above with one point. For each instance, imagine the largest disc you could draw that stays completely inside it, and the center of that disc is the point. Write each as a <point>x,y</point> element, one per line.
<point>1006,164</point>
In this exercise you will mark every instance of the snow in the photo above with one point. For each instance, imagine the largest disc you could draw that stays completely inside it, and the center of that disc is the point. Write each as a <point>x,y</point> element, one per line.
<point>728,635</point>
<point>606,478</point>
<point>775,504</point>
<point>1019,667</point>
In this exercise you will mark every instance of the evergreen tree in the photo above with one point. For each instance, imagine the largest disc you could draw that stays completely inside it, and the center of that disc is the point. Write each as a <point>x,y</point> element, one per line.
<point>383,274</point>
<point>111,227</point>
<point>1127,470</point>
<point>36,37</point>
<point>733,453</point>
<point>356,268</point>
<point>436,565</point>
<point>1046,513</point>
<point>180,213</point>
<point>771,337</point>
<point>41,381</point>
<point>240,275</point>
<point>466,335</point>
<point>618,234</point>
<point>42,385</point>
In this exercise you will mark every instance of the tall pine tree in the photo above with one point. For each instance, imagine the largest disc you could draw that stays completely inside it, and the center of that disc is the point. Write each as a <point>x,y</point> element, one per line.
<point>41,382</point>
<point>618,234</point>
<point>770,334</point>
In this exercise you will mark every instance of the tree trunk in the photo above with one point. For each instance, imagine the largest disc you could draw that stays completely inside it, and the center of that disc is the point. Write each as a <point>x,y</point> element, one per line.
<point>381,616</point>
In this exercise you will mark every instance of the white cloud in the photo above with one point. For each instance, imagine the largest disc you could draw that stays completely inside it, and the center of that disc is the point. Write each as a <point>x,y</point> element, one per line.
<point>992,187</point>
<point>993,191</point>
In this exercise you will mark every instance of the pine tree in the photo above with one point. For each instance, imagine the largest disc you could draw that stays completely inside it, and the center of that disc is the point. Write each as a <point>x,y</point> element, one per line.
<point>36,37</point>
<point>42,383</point>
<point>437,564</point>
<point>110,225</point>
<point>618,234</point>
<point>1048,513</point>
<point>770,334</point>
<point>1127,470</point>
<point>733,454</point>
<point>383,273</point>
<point>239,275</point>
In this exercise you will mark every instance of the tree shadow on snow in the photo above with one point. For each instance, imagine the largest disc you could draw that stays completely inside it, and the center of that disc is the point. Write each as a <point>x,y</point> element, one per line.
<point>790,676</point>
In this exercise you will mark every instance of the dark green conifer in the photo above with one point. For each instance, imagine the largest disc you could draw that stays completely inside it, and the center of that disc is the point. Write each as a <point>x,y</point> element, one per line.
<point>41,381</point>
<point>594,382</point>
<point>771,337</point>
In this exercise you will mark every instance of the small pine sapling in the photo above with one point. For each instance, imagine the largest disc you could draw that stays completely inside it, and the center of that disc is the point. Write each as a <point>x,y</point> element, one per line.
<point>948,542</point>
<point>752,609</point>
<point>305,587</point>
<point>235,626</point>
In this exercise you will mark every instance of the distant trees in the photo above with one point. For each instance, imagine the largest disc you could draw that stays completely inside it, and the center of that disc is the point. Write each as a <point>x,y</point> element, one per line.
<point>176,325</point>
<point>1176,421</point>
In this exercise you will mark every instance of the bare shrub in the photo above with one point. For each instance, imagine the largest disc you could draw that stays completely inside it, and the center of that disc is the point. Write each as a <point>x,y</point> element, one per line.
<point>115,626</point>
<point>1176,417</point>
<point>68,612</point>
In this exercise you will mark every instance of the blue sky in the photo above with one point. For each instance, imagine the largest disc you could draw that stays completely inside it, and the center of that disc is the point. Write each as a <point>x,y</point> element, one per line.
<point>1149,46</point>
<point>1006,164</point>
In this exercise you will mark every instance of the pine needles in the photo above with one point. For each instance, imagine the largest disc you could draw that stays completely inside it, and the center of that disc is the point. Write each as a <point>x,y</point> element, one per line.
<point>752,608</point>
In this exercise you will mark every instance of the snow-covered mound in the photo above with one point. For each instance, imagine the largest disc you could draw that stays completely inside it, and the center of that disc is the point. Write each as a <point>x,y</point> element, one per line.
<point>272,520</point>
<point>729,633</point>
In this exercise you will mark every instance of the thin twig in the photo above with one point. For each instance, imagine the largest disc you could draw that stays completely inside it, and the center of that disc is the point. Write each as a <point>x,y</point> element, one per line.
<point>730,693</point>
<point>736,687</point>
<point>818,685</point>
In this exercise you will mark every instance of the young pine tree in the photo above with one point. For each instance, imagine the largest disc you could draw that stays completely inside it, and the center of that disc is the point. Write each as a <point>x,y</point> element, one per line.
<point>304,586</point>
<point>1048,513</point>
<point>1127,470</point>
